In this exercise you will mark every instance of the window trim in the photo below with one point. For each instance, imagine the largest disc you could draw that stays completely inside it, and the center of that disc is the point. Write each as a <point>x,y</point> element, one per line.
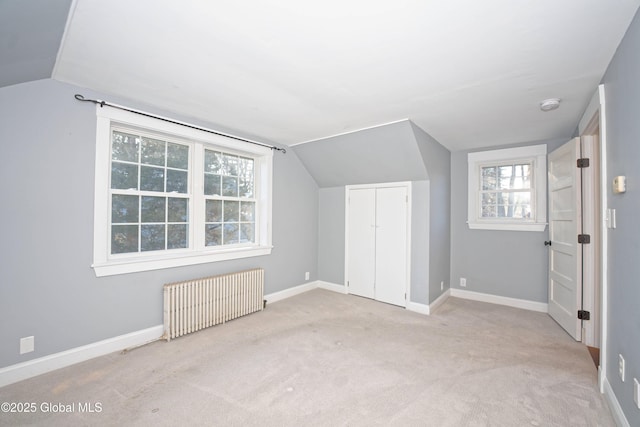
<point>106,265</point>
<point>537,155</point>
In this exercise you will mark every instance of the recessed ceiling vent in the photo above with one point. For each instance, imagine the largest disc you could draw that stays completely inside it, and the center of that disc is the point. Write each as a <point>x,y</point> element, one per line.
<point>550,104</point>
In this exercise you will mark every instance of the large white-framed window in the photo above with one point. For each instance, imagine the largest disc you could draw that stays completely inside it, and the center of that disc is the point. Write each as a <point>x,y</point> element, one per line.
<point>507,189</point>
<point>168,195</point>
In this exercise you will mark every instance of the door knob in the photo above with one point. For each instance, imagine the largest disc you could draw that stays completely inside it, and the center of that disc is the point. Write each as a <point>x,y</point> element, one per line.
<point>547,243</point>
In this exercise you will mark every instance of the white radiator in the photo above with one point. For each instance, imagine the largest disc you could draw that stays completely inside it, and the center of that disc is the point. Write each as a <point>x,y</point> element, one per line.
<point>197,304</point>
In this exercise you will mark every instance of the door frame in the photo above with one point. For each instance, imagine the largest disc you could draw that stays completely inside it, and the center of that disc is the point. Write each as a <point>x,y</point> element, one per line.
<point>405,184</point>
<point>594,119</point>
<point>590,220</point>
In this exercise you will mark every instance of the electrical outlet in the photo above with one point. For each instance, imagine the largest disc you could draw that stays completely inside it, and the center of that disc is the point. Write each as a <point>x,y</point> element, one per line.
<point>27,345</point>
<point>463,282</point>
<point>636,392</point>
<point>306,276</point>
<point>442,285</point>
<point>621,367</point>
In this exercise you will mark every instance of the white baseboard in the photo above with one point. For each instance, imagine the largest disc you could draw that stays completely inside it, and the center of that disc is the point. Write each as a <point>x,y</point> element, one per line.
<point>296,290</point>
<point>31,368</point>
<point>614,405</point>
<point>290,292</point>
<point>495,299</point>
<point>440,300</point>
<point>428,309</point>
<point>341,289</point>
<point>417,307</point>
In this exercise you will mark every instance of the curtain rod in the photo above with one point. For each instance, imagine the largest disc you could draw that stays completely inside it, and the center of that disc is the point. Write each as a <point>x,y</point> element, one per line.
<point>103,103</point>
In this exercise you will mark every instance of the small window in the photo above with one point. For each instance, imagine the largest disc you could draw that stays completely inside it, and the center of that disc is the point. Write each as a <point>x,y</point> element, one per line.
<point>168,195</point>
<point>507,189</point>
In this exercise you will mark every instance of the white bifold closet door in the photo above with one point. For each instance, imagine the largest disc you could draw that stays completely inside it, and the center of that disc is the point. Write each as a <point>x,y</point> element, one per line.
<point>377,243</point>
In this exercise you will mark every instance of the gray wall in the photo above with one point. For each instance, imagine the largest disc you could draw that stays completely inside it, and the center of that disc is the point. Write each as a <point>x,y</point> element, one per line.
<point>506,263</point>
<point>438,162</point>
<point>331,235</point>
<point>30,34</point>
<point>622,94</point>
<point>47,287</point>
<point>382,154</point>
<point>420,242</point>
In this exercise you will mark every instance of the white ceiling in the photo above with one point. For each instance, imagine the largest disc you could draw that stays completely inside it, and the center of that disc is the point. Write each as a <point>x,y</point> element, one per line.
<point>471,73</point>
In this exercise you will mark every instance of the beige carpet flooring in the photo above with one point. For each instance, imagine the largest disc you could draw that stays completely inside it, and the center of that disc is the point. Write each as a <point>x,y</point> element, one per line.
<point>326,359</point>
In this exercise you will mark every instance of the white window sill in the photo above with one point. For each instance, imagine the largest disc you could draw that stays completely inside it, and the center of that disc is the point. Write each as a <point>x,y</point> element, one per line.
<point>508,226</point>
<point>114,267</point>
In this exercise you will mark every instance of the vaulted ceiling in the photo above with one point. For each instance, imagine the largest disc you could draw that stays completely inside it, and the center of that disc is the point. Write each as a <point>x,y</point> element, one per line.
<point>470,73</point>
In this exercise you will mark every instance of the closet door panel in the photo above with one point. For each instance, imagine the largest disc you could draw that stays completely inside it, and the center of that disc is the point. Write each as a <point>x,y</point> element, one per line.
<point>361,251</point>
<point>391,245</point>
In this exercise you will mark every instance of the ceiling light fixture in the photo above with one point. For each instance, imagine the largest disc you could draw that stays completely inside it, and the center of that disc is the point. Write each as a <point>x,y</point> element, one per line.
<point>550,104</point>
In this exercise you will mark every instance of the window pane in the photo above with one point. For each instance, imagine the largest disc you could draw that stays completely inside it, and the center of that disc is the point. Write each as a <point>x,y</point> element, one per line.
<point>247,211</point>
<point>245,173</point>
<point>124,209</point>
<point>153,209</point>
<point>489,211</point>
<point>245,167</point>
<point>489,205</point>
<point>229,165</point>
<point>231,211</point>
<point>514,204</point>
<point>124,176</point>
<point>177,156</point>
<point>177,181</point>
<point>213,234</point>
<point>246,188</point>
<point>212,161</point>
<point>516,176</point>
<point>153,152</point>
<point>247,233</point>
<point>124,147</point>
<point>178,210</point>
<point>489,178</point>
<point>151,179</point>
<point>177,236</point>
<point>152,238</point>
<point>212,185</point>
<point>229,186</point>
<point>213,211</point>
<point>124,239</point>
<point>231,234</point>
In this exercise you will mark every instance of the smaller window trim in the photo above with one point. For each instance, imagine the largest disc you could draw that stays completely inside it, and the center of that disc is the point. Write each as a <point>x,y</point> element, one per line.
<point>106,264</point>
<point>537,155</point>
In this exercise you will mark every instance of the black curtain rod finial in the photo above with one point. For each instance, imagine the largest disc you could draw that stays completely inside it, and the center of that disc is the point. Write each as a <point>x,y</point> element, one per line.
<point>95,101</point>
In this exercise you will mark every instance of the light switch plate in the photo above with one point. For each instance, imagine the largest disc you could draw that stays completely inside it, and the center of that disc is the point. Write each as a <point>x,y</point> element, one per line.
<point>611,218</point>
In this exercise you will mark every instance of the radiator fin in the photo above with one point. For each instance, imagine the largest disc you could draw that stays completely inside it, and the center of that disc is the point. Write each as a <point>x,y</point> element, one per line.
<point>193,305</point>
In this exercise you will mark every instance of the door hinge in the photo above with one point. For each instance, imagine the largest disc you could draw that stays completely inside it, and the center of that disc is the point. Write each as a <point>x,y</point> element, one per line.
<point>347,283</point>
<point>584,315</point>
<point>583,163</point>
<point>584,238</point>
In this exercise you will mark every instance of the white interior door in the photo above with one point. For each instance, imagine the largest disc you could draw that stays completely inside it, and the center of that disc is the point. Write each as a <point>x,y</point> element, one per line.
<point>391,245</point>
<point>361,241</point>
<point>565,258</point>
